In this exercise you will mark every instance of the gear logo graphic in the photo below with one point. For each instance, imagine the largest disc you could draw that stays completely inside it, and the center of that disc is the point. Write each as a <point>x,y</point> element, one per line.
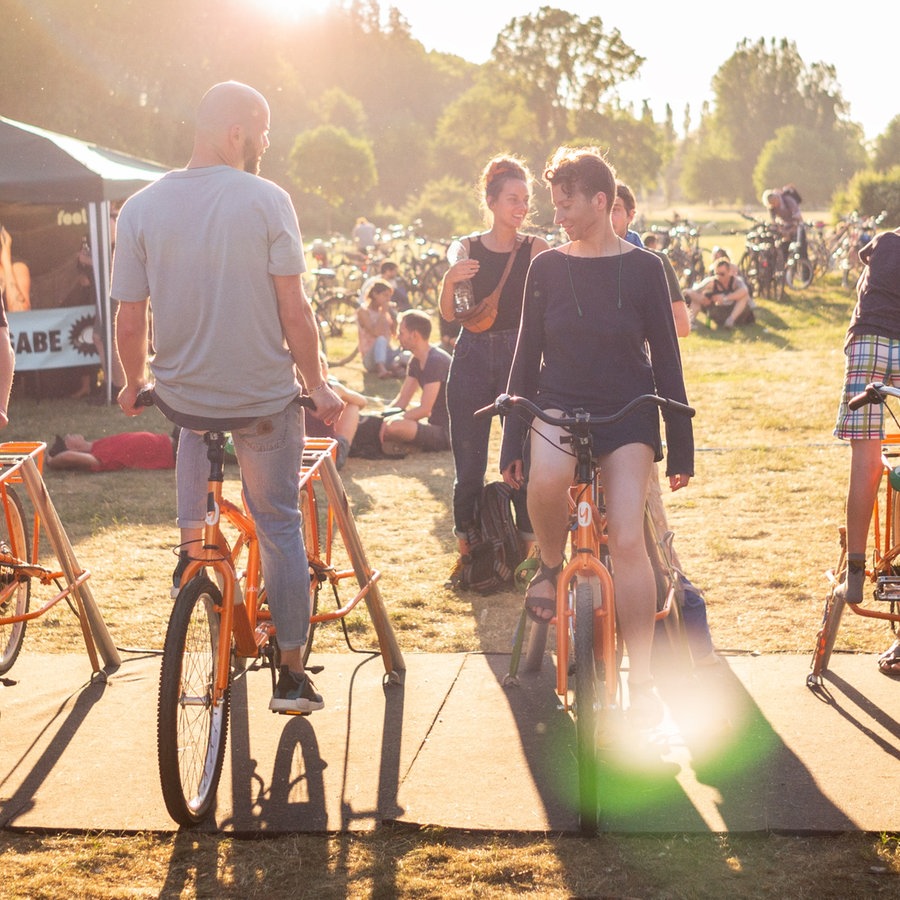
<point>81,336</point>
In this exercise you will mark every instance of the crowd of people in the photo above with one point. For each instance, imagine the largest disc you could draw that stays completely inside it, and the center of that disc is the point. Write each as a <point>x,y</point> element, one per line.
<point>604,308</point>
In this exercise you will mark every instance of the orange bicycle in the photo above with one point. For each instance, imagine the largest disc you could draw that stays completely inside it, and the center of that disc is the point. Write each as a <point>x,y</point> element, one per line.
<point>220,620</point>
<point>590,688</point>
<point>884,575</point>
<point>21,464</point>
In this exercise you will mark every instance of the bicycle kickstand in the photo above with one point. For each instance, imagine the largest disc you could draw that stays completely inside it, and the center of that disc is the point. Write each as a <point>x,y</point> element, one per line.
<point>511,679</point>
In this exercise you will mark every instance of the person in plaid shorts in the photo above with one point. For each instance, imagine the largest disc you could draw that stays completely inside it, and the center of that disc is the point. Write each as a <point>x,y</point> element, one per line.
<point>872,350</point>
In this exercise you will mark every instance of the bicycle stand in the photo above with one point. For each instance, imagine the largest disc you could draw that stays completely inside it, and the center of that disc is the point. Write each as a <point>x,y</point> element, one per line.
<point>21,463</point>
<point>318,462</point>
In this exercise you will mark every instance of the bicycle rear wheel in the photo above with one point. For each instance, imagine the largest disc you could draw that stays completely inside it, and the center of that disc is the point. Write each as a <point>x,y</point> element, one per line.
<point>15,592</point>
<point>338,321</point>
<point>429,283</point>
<point>671,648</point>
<point>191,728</point>
<point>536,644</point>
<point>586,707</point>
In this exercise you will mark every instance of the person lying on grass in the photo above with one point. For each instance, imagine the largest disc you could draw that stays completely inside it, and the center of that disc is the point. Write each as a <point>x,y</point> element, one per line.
<point>130,450</point>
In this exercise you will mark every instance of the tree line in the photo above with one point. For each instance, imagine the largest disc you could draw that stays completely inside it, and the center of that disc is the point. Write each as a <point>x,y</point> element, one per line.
<point>366,122</point>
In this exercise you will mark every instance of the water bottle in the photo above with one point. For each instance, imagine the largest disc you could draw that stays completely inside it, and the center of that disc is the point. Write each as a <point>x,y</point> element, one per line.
<point>463,296</point>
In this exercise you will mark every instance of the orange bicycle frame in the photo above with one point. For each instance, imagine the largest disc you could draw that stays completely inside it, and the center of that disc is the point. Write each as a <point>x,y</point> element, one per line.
<point>587,538</point>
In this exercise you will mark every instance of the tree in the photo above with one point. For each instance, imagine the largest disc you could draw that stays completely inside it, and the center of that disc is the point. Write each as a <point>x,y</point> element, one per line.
<point>331,164</point>
<point>636,147</point>
<point>445,206</point>
<point>336,107</point>
<point>800,156</point>
<point>887,147</point>
<point>870,193</point>
<point>485,120</point>
<point>561,64</point>
<point>762,88</point>
<point>708,177</point>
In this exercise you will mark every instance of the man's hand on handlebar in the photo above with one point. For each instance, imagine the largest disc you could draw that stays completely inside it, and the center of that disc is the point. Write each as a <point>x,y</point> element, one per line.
<point>128,399</point>
<point>328,405</point>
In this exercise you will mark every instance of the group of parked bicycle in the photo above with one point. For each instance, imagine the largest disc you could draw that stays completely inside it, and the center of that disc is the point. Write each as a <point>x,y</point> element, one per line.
<point>774,258</point>
<point>414,265</point>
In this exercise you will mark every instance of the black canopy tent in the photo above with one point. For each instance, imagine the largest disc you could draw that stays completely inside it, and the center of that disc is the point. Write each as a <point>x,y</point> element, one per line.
<point>42,168</point>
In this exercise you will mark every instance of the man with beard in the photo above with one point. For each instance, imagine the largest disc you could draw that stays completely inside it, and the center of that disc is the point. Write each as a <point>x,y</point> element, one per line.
<point>217,252</point>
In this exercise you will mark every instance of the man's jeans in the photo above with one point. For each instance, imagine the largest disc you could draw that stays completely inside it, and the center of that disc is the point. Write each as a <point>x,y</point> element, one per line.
<point>269,453</point>
<point>478,374</point>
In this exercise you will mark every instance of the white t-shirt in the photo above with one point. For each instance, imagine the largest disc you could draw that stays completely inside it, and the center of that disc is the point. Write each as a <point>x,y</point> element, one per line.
<point>203,245</point>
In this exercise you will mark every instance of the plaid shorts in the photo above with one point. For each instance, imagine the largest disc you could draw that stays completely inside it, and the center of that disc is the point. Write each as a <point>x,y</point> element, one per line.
<point>869,358</point>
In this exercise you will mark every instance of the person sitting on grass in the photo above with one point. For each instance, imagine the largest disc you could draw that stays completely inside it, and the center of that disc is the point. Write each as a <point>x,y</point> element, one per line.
<point>377,326</point>
<point>723,295</point>
<point>427,424</point>
<point>130,450</point>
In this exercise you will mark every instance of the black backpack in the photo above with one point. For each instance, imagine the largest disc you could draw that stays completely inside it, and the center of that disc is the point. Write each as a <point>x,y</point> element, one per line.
<point>495,547</point>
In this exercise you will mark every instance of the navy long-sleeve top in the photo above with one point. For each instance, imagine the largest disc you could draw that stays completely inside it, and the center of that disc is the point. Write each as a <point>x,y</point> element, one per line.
<point>621,345</point>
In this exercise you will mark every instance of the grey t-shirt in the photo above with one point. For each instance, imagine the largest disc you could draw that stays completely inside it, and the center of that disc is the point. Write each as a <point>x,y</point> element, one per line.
<point>203,245</point>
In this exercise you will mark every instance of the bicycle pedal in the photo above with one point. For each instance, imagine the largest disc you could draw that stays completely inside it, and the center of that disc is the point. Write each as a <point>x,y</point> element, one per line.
<point>288,712</point>
<point>316,670</point>
<point>888,588</point>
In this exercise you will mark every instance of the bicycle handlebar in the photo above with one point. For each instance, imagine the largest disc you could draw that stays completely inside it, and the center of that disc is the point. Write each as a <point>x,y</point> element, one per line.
<point>505,403</point>
<point>145,396</point>
<point>875,392</point>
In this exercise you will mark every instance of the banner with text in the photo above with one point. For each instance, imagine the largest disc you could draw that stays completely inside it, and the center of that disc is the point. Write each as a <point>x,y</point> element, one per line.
<point>53,338</point>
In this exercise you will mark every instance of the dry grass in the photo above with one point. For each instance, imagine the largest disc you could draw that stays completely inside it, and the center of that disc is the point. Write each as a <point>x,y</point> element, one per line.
<point>756,528</point>
<point>432,863</point>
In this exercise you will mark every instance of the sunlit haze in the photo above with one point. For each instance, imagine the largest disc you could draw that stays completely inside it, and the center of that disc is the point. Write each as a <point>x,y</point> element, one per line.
<point>289,10</point>
<point>684,44</point>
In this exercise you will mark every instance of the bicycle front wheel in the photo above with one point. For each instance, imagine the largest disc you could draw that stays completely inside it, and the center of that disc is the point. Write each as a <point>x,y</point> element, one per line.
<point>799,274</point>
<point>586,707</point>
<point>191,727</point>
<point>748,268</point>
<point>15,592</point>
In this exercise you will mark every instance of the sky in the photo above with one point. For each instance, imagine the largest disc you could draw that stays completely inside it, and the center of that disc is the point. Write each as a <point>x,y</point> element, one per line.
<point>685,42</point>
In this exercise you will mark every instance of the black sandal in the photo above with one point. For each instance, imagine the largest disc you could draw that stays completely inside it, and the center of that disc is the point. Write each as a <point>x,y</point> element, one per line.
<point>533,604</point>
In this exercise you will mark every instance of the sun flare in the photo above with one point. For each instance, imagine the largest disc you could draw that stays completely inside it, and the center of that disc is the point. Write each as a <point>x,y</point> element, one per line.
<point>290,10</point>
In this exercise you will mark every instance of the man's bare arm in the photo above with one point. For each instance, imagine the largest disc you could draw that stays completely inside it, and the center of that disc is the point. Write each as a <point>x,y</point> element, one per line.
<point>132,331</point>
<point>298,323</point>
